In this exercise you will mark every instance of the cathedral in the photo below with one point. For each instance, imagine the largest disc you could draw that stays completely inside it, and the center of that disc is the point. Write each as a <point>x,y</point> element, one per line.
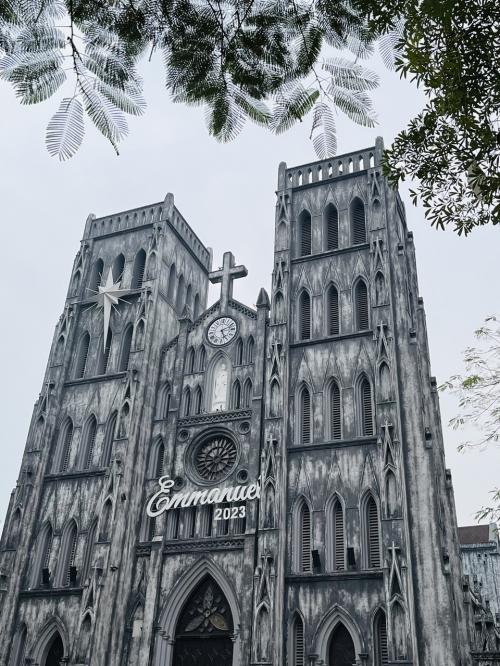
<point>228,485</point>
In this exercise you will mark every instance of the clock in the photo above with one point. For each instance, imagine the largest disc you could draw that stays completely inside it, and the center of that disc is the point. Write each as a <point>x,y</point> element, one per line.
<point>221,331</point>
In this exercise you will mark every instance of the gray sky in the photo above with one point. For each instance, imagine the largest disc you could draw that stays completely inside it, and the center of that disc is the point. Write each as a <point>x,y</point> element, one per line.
<point>226,192</point>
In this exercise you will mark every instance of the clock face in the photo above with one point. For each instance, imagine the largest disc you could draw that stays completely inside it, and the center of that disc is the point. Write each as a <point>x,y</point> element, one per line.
<point>221,331</point>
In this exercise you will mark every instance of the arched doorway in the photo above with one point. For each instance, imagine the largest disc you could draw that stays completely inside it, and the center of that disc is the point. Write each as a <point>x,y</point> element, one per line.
<point>341,649</point>
<point>55,651</point>
<point>204,629</point>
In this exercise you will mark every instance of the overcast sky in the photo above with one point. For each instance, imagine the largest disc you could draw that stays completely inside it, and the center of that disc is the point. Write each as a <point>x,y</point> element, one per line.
<point>226,192</point>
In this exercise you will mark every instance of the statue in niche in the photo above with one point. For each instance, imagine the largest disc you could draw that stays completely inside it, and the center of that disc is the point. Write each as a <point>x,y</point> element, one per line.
<point>220,381</point>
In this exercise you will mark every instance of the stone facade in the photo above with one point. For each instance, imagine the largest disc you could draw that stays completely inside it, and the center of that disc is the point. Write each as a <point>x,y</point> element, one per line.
<point>348,554</point>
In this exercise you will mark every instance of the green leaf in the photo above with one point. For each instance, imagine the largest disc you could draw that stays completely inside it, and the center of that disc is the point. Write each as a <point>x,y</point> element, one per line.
<point>323,131</point>
<point>108,119</point>
<point>129,100</point>
<point>65,130</point>
<point>356,105</point>
<point>350,75</point>
<point>292,103</point>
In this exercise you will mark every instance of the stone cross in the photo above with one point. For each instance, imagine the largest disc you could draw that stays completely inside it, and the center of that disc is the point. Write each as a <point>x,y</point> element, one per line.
<point>226,275</point>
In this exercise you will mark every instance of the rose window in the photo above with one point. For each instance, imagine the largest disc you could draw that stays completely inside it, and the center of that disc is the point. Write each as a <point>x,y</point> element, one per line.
<point>216,458</point>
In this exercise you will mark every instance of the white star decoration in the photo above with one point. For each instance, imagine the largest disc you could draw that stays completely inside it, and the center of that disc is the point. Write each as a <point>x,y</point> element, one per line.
<point>107,298</point>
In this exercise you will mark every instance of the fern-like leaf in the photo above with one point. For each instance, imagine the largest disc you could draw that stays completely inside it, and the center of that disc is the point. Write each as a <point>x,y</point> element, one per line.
<point>355,104</point>
<point>108,119</point>
<point>323,131</point>
<point>40,38</point>
<point>65,130</point>
<point>130,100</point>
<point>292,104</point>
<point>389,44</point>
<point>350,75</point>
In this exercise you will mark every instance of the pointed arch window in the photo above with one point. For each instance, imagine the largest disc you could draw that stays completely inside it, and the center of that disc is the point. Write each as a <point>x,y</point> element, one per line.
<point>372,533</point>
<point>238,357</point>
<point>250,349</point>
<point>366,406</point>
<point>380,294</point>
<point>104,355</point>
<point>385,382</point>
<point>109,435</point>
<point>305,415</point>
<point>331,227</point>
<point>171,283</point>
<point>189,296</point>
<point>186,401</point>
<point>305,538</point>
<point>139,334</point>
<point>298,652</point>
<point>82,355</point>
<point>247,394</point>
<point>179,301</point>
<point>69,543</point>
<point>164,396</point>
<point>305,240</point>
<point>332,310</point>
<point>361,305</point>
<point>190,360</point>
<point>89,547</point>
<point>335,411</point>
<point>105,524</point>
<point>118,268</point>
<point>338,534</point>
<point>198,400</point>
<point>159,459</point>
<point>90,432</point>
<point>391,493</point>
<point>304,315</point>
<point>358,222</point>
<point>126,347</point>
<point>42,572</point>
<point>196,307</point>
<point>236,395</point>
<point>202,358</point>
<point>65,445</point>
<point>138,270</point>
<point>96,275</point>
<point>279,308</point>
<point>274,408</point>
<point>380,639</point>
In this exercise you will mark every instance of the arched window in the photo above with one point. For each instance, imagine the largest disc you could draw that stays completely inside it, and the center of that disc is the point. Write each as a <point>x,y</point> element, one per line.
<point>269,514</point>
<point>54,651</point>
<point>361,303</point>
<point>305,538</point>
<point>139,334</point>
<point>304,315</point>
<point>109,436</point>
<point>118,268</point>
<point>44,551</point>
<point>189,296</point>
<point>279,308</point>
<point>372,534</point>
<point>160,459</point>
<point>274,407</point>
<point>104,354</point>
<point>190,360</point>
<point>123,423</point>
<point>297,642</point>
<point>331,227</point>
<point>186,402</point>
<point>196,307</point>
<point>366,406</point>
<point>358,222</point>
<point>238,358</point>
<point>281,236</point>
<point>67,573</point>
<point>138,270</point>
<point>82,355</point>
<point>96,275</point>
<point>179,300</point>
<point>171,283</point>
<point>332,310</point>
<point>89,435</point>
<point>385,382</point>
<point>337,542</point>
<point>59,353</point>
<point>65,445</point>
<point>380,639</point>
<point>341,649</point>
<point>126,347</point>
<point>305,241</point>
<point>380,294</point>
<point>335,411</point>
<point>391,494</point>
<point>198,400</point>
<point>247,394</point>
<point>202,358</point>
<point>250,349</point>
<point>105,523</point>
<point>89,547</point>
<point>305,415</point>
<point>236,395</point>
<point>152,264</point>
<point>163,401</point>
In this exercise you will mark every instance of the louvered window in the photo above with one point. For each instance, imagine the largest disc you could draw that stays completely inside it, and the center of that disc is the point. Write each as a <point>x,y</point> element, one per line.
<point>358,222</point>
<point>118,266</point>
<point>338,536</point>
<point>138,272</point>
<point>104,360</point>
<point>247,394</point>
<point>70,555</point>
<point>305,233</point>
<point>90,443</point>
<point>335,412</point>
<point>160,461</point>
<point>151,528</point>
<point>109,436</point>
<point>46,551</point>
<point>361,296</point>
<point>305,316</point>
<point>381,647</point>
<point>96,275</point>
<point>331,227</point>
<point>305,416</point>
<point>187,402</point>
<point>198,401</point>
<point>366,407</point>
<point>333,311</point>
<point>373,536</point>
<point>250,349</point>
<point>67,438</point>
<point>298,643</point>
<point>305,538</point>
<point>236,395</point>
<point>126,346</point>
<point>82,356</point>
